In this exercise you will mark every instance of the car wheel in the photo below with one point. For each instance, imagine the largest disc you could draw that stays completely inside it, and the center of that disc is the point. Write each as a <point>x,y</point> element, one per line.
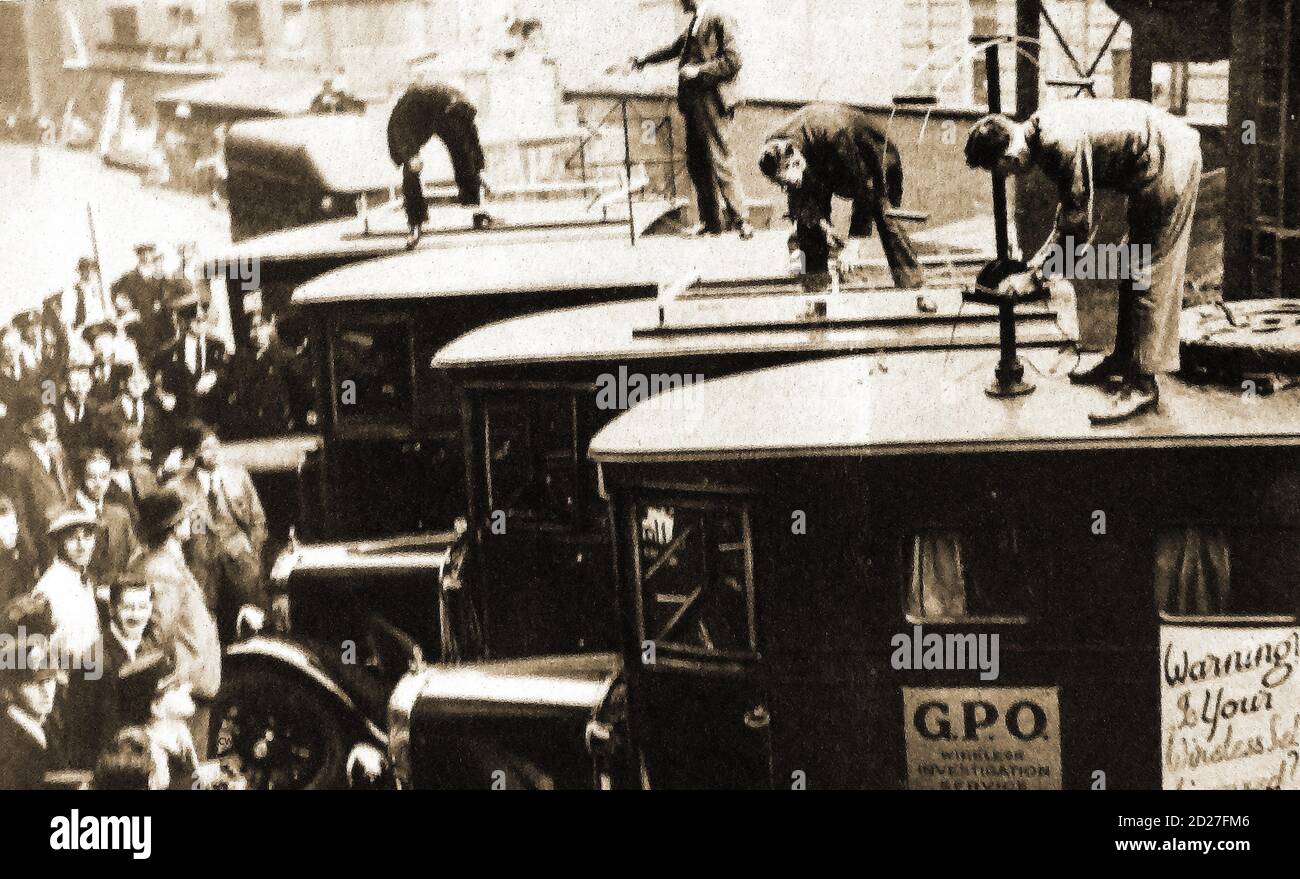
<point>279,732</point>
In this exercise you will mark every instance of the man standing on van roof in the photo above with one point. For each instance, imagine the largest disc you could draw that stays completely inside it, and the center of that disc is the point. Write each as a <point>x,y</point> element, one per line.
<point>1154,158</point>
<point>824,150</point>
<point>424,111</point>
<point>708,63</point>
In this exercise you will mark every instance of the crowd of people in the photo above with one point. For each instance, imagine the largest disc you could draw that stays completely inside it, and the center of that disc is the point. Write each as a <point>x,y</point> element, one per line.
<point>130,551</point>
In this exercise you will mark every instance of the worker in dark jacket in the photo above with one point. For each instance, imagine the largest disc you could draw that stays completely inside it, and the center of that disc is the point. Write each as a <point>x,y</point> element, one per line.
<point>425,111</point>
<point>1138,150</point>
<point>825,150</point>
<point>708,63</point>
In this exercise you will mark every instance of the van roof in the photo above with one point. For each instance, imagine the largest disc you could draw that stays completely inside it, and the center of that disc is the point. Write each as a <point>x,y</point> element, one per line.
<point>448,226</point>
<point>344,152</point>
<point>757,317</point>
<point>495,266</point>
<point>924,402</point>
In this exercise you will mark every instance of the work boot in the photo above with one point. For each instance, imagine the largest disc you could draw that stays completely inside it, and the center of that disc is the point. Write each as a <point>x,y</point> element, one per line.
<point>1110,369</point>
<point>1138,395</point>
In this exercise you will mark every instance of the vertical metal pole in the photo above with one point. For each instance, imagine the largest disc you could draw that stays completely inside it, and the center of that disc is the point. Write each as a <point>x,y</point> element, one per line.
<point>627,168</point>
<point>1028,26</point>
<point>999,180</point>
<point>672,159</point>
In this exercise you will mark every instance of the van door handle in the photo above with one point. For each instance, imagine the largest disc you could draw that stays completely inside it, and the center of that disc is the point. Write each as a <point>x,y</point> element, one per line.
<point>757,717</point>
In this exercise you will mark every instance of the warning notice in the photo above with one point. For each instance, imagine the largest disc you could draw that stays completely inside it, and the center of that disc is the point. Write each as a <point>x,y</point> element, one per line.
<point>991,738</point>
<point>1230,708</point>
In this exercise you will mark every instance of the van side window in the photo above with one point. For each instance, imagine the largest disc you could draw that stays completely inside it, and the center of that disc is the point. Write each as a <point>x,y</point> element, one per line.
<point>531,461</point>
<point>961,575</point>
<point>693,567</point>
<point>1216,571</point>
<point>371,368</point>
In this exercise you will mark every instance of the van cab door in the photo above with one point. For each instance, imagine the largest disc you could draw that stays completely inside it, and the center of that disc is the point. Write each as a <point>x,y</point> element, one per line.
<point>699,711</point>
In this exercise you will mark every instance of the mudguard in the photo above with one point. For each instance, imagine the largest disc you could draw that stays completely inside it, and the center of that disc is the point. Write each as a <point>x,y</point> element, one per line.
<point>283,653</point>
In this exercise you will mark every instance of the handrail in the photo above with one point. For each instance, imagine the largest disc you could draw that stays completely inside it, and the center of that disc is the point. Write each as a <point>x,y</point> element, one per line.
<point>629,185</point>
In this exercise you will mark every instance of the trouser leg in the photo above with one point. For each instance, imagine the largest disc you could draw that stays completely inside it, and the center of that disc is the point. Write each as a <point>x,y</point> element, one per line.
<point>899,252</point>
<point>808,210</point>
<point>1158,298</point>
<point>199,728</point>
<point>722,163</point>
<point>699,166</point>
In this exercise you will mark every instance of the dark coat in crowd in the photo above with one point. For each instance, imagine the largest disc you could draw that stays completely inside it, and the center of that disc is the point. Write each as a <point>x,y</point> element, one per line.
<point>180,378</point>
<point>115,544</point>
<point>145,415</point>
<point>255,396</point>
<point>23,760</point>
<point>35,492</point>
<point>141,481</point>
<point>18,573</point>
<point>95,709</point>
<point>76,423</point>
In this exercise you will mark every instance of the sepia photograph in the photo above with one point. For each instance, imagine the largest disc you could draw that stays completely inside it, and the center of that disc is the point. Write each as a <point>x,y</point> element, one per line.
<point>479,395</point>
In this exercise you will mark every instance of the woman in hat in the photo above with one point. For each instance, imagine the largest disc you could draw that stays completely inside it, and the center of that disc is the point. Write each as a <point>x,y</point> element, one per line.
<point>181,621</point>
<point>64,586</point>
<point>27,690</point>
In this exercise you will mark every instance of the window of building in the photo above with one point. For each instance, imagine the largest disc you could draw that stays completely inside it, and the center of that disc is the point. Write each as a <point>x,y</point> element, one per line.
<point>693,570</point>
<point>245,26</point>
<point>126,25</point>
<point>293,24</point>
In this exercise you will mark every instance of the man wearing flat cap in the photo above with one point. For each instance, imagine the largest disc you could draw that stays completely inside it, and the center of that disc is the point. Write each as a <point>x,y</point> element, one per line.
<point>255,395</point>
<point>34,474</point>
<point>142,288</point>
<point>27,694</point>
<point>102,339</point>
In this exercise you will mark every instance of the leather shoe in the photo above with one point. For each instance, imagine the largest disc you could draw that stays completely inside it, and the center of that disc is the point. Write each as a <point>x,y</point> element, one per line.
<point>1108,371</point>
<point>1133,399</point>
